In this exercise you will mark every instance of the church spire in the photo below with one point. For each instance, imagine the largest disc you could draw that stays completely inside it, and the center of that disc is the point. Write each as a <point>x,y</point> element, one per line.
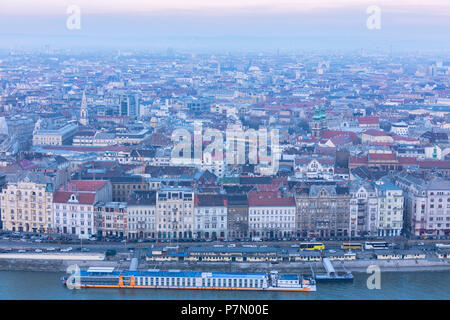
<point>323,113</point>
<point>84,111</point>
<point>317,114</point>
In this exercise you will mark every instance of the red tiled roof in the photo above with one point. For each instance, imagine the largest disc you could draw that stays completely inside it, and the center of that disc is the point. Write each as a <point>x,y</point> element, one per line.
<point>382,143</point>
<point>27,164</point>
<point>269,199</point>
<point>327,134</point>
<point>373,132</point>
<point>360,160</point>
<point>407,160</point>
<point>368,120</point>
<point>83,185</point>
<point>325,149</point>
<point>400,138</point>
<point>382,156</point>
<point>269,187</point>
<point>210,200</point>
<point>83,197</point>
<point>306,160</point>
<point>340,139</point>
<point>87,149</point>
<point>341,170</point>
<point>434,164</point>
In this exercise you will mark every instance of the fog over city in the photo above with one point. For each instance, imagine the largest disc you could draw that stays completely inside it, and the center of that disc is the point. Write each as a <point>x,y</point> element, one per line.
<point>225,149</point>
<point>232,25</point>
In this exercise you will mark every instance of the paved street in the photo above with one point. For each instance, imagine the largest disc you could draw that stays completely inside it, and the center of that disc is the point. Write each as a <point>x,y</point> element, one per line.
<point>140,248</point>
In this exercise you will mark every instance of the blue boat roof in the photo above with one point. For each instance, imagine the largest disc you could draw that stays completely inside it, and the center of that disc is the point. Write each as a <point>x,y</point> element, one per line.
<point>177,273</point>
<point>288,277</point>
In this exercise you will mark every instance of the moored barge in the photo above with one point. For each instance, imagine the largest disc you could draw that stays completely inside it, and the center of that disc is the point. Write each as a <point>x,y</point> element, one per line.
<point>107,277</point>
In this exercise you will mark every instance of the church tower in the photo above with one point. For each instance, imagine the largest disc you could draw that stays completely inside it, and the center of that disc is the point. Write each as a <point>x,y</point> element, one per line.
<point>323,118</point>
<point>319,122</point>
<point>84,111</point>
<point>316,123</point>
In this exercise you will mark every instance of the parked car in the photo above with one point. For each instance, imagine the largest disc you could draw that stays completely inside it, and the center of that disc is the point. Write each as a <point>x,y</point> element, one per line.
<point>38,250</point>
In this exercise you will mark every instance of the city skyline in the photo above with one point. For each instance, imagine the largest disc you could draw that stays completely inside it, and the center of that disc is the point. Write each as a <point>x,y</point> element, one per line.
<point>249,149</point>
<point>248,25</point>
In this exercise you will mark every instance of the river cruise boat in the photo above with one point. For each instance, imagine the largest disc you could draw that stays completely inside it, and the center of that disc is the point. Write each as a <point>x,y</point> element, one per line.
<point>107,277</point>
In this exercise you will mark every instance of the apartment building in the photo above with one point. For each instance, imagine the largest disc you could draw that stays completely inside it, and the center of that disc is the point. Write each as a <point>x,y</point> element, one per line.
<point>111,219</point>
<point>142,215</point>
<point>322,211</point>
<point>271,215</point>
<point>73,206</point>
<point>175,213</point>
<point>427,205</point>
<point>363,208</point>
<point>59,136</point>
<point>237,216</point>
<point>123,186</point>
<point>26,203</point>
<point>309,167</point>
<point>210,216</point>
<point>390,208</point>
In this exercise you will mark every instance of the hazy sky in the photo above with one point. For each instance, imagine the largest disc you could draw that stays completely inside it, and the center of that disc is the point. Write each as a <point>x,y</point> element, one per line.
<point>234,24</point>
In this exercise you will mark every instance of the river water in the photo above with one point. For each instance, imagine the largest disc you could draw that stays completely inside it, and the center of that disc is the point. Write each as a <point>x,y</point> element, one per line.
<point>394,285</point>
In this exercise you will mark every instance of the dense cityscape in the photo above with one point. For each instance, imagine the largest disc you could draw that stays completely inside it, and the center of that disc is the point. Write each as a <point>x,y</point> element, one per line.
<point>218,158</point>
<point>87,146</point>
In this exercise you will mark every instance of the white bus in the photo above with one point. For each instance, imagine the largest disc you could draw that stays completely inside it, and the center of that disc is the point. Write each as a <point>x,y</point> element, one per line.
<point>376,245</point>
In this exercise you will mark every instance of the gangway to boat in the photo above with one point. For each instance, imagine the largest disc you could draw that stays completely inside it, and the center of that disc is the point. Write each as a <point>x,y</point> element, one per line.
<point>331,274</point>
<point>134,264</point>
<point>328,267</point>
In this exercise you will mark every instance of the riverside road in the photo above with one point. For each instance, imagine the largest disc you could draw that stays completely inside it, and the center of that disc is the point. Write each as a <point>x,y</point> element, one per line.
<point>28,245</point>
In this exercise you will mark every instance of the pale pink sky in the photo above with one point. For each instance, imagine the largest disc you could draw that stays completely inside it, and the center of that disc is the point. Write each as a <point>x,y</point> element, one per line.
<point>35,7</point>
<point>412,24</point>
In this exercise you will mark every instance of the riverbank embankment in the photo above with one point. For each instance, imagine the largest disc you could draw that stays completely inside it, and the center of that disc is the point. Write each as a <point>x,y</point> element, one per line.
<point>55,265</point>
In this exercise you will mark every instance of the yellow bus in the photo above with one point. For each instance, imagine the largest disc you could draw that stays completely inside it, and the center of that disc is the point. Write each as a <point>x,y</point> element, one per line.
<point>351,246</point>
<point>312,246</point>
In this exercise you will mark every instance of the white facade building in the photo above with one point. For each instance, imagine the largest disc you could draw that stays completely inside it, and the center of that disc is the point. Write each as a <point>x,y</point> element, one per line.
<point>400,128</point>
<point>210,217</point>
<point>427,205</point>
<point>142,215</point>
<point>390,209</point>
<point>73,207</point>
<point>270,215</point>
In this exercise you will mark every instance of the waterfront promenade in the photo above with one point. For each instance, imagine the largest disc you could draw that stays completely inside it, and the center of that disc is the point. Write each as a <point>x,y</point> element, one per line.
<point>31,256</point>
